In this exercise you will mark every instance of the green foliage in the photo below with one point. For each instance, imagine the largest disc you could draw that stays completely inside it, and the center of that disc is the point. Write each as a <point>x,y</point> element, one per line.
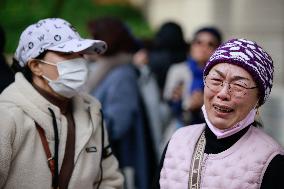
<point>16,15</point>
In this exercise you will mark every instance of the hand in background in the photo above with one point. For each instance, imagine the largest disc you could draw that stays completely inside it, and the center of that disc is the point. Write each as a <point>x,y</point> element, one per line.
<point>140,58</point>
<point>178,92</point>
<point>196,100</point>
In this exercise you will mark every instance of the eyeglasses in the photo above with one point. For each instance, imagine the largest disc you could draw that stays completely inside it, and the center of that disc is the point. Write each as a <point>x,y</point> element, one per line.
<point>46,62</point>
<point>236,88</point>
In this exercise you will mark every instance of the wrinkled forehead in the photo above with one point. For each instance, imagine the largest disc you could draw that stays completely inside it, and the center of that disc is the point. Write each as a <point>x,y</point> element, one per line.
<point>230,71</point>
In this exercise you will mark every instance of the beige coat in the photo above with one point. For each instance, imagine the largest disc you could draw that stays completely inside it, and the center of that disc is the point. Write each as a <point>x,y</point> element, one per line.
<point>178,74</point>
<point>23,161</point>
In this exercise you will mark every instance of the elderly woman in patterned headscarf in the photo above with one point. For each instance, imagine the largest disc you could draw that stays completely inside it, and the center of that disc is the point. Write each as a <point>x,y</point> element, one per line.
<point>228,151</point>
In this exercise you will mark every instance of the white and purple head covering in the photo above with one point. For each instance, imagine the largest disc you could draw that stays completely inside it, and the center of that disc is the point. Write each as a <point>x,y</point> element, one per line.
<point>54,34</point>
<point>250,56</point>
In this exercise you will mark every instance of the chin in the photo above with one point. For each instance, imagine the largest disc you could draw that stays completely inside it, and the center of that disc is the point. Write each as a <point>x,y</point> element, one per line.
<point>221,123</point>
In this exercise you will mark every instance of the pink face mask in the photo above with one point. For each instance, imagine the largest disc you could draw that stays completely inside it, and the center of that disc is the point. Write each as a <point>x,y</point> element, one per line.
<point>232,130</point>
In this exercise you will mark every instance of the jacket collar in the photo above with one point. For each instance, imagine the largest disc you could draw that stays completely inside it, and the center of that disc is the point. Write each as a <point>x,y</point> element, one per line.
<point>28,99</point>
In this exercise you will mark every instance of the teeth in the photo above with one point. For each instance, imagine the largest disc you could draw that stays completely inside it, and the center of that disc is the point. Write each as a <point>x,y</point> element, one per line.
<point>222,109</point>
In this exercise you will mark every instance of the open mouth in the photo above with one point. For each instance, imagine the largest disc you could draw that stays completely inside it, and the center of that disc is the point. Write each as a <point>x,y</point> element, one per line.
<point>222,109</point>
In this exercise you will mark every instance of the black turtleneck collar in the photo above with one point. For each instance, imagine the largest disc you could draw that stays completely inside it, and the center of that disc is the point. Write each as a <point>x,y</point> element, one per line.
<point>65,105</point>
<point>215,146</point>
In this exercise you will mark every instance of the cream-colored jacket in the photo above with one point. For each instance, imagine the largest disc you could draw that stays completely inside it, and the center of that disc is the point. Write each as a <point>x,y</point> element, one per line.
<point>23,162</point>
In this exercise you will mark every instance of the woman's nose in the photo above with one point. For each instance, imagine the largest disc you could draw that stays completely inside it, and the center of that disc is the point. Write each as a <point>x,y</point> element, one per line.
<point>224,93</point>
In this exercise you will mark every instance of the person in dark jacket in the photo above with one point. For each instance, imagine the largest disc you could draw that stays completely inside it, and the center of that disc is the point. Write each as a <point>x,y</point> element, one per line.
<point>6,74</point>
<point>113,80</point>
<point>168,47</point>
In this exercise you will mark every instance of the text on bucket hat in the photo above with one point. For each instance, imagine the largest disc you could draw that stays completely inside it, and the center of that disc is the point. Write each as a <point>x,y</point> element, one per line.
<point>250,56</point>
<point>54,34</point>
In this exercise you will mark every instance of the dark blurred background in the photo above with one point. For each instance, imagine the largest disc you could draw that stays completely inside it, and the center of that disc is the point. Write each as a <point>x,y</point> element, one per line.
<point>16,15</point>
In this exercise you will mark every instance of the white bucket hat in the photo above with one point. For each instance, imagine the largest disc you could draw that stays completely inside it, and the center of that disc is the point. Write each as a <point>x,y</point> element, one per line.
<point>54,34</point>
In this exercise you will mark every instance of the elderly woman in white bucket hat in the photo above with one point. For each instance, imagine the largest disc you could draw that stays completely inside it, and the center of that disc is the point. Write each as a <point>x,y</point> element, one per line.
<point>51,133</point>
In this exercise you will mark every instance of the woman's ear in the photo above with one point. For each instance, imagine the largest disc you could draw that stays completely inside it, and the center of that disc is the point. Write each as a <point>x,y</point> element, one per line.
<point>34,66</point>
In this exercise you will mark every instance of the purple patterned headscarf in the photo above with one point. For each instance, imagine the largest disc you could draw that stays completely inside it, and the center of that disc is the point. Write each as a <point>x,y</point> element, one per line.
<point>250,56</point>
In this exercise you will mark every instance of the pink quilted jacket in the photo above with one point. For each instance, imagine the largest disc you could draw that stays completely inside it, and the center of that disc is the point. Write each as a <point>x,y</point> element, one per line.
<point>241,166</point>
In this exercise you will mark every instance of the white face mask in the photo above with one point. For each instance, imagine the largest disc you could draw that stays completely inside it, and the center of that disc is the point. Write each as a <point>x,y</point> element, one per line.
<point>72,77</point>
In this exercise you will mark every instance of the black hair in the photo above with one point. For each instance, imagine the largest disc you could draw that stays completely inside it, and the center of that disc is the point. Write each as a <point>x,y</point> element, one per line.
<point>170,37</point>
<point>213,31</point>
<point>26,71</point>
<point>257,123</point>
<point>2,39</point>
<point>2,45</point>
<point>115,33</point>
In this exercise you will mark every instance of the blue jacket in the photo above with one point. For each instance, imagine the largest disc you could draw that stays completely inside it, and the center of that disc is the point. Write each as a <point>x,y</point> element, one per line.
<point>119,95</point>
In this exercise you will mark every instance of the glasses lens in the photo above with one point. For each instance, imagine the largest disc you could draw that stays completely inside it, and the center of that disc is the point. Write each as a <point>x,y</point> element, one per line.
<point>216,85</point>
<point>213,84</point>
